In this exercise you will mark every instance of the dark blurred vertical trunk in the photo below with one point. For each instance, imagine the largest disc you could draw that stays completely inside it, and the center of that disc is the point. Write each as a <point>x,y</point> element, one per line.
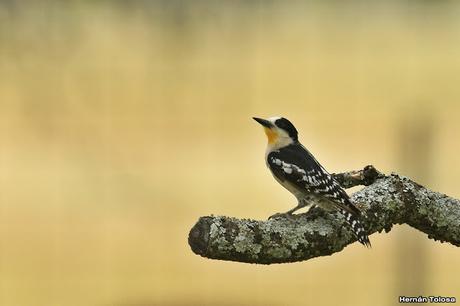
<point>415,142</point>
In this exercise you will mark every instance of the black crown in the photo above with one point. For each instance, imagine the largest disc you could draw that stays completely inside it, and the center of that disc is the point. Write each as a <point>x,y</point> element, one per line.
<point>286,125</point>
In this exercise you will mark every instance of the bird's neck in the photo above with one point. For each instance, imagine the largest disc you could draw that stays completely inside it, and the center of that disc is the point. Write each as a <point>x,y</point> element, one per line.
<point>279,144</point>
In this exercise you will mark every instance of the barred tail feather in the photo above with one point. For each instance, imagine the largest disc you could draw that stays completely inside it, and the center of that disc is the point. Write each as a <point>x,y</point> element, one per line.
<point>357,228</point>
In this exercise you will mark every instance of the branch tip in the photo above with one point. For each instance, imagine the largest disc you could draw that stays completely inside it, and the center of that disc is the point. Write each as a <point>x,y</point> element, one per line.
<point>198,237</point>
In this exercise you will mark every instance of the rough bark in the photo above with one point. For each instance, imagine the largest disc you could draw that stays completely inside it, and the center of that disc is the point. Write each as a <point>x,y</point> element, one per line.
<point>386,200</point>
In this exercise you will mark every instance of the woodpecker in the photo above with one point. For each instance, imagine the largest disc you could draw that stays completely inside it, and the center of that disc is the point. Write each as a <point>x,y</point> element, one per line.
<point>297,170</point>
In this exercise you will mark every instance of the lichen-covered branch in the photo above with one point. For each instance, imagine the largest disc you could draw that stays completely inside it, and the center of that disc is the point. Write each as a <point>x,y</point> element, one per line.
<point>385,201</point>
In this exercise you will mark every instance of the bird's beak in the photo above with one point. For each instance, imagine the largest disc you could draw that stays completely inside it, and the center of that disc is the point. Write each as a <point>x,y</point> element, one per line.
<point>263,122</point>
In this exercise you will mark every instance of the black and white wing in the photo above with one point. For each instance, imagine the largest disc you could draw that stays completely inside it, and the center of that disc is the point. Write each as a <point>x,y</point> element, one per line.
<point>297,165</point>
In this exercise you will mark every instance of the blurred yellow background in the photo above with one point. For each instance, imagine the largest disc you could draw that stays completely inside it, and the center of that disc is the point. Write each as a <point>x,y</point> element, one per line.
<point>123,122</point>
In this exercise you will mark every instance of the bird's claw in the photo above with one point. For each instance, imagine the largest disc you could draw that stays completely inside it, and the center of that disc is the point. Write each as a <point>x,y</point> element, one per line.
<point>280,215</point>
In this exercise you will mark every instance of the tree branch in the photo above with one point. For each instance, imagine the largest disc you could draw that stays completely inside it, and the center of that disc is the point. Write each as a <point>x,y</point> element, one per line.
<point>387,200</point>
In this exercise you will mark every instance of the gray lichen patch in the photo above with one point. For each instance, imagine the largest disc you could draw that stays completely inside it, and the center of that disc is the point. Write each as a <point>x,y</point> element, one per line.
<point>437,215</point>
<point>319,226</point>
<point>244,241</point>
<point>217,237</point>
<point>277,253</point>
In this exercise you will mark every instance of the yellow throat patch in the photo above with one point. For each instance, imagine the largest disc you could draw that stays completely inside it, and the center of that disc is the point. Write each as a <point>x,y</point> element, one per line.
<point>271,135</point>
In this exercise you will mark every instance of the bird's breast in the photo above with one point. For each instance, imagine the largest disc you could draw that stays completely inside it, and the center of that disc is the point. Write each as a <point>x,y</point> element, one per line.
<point>295,190</point>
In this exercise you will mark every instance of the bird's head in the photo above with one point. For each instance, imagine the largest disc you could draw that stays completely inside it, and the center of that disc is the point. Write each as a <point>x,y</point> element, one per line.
<point>280,131</point>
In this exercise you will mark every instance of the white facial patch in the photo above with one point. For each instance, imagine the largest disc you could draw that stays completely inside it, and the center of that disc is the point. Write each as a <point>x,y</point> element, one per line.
<point>273,119</point>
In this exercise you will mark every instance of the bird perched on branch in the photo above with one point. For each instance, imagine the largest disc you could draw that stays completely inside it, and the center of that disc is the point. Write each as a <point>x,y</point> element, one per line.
<point>295,168</point>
